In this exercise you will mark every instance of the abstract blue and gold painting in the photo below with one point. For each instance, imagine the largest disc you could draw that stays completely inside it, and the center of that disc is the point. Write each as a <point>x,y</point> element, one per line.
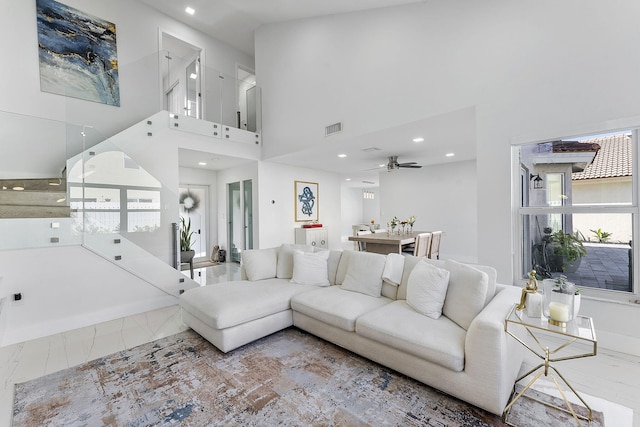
<point>78,55</point>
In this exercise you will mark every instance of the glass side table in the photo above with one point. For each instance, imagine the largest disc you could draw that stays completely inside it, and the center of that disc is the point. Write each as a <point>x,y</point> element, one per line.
<point>552,344</point>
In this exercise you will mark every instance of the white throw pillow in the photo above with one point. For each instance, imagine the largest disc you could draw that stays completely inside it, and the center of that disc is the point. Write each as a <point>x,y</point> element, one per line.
<point>310,268</point>
<point>410,262</point>
<point>466,293</point>
<point>260,263</point>
<point>427,289</point>
<point>284,269</point>
<point>364,273</point>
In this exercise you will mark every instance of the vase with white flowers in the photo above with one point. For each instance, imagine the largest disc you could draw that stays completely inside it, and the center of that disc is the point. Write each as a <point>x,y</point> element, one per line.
<point>394,223</point>
<point>411,220</point>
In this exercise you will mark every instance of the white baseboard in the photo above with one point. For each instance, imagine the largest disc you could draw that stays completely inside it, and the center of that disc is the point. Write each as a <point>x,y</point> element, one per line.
<point>617,342</point>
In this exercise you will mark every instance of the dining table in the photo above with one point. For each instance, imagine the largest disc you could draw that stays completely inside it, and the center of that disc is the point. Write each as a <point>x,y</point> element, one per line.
<point>386,243</point>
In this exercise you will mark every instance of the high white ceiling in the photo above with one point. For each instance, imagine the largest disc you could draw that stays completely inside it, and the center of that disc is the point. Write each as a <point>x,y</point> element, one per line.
<point>450,133</point>
<point>234,21</point>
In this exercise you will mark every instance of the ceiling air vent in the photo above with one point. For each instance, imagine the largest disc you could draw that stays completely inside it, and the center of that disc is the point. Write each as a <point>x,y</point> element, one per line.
<point>334,128</point>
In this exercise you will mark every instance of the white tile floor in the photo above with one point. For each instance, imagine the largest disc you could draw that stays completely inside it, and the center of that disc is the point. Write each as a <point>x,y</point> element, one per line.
<point>611,376</point>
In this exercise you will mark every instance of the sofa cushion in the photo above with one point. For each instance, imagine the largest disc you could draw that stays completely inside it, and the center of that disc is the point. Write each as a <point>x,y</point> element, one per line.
<point>410,262</point>
<point>466,294</point>
<point>232,303</point>
<point>310,268</point>
<point>364,273</point>
<point>427,288</point>
<point>260,264</point>
<point>341,272</point>
<point>335,306</point>
<point>492,276</point>
<point>284,267</point>
<point>399,326</point>
<point>332,265</point>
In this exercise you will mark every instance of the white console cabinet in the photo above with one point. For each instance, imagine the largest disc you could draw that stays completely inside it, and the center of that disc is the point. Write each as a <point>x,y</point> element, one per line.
<point>317,237</point>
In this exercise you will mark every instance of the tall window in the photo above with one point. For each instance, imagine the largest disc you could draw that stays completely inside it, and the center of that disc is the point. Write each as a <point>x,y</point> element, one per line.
<point>578,212</point>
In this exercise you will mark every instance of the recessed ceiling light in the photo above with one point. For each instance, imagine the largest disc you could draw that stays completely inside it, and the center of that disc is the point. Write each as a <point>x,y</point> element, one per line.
<point>348,179</point>
<point>418,139</point>
<point>61,200</point>
<point>450,154</point>
<point>342,156</point>
<point>381,165</point>
<point>193,76</point>
<point>190,10</point>
<point>18,188</point>
<point>202,163</point>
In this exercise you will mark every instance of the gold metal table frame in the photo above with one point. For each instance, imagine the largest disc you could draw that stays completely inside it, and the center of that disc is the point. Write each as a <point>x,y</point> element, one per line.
<point>579,330</point>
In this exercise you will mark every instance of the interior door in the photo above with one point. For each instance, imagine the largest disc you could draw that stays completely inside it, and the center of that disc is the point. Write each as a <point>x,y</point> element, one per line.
<point>193,107</point>
<point>246,99</point>
<point>248,213</point>
<point>235,221</point>
<point>240,214</point>
<point>193,206</point>
<point>181,74</point>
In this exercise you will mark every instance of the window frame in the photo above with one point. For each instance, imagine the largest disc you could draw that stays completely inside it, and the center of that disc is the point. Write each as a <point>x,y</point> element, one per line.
<point>521,212</point>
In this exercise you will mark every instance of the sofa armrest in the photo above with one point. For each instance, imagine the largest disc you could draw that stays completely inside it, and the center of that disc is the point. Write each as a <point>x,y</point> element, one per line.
<point>492,357</point>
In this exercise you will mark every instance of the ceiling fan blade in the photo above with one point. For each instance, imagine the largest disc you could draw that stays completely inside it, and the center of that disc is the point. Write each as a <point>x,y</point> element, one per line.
<point>393,164</point>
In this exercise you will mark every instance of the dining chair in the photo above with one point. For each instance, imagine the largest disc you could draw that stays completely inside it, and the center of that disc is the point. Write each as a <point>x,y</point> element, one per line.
<point>436,239</point>
<point>423,244</point>
<point>357,228</point>
<point>362,246</point>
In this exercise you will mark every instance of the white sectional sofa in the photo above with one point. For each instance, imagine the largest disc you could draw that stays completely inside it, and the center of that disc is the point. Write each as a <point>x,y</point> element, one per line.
<point>439,322</point>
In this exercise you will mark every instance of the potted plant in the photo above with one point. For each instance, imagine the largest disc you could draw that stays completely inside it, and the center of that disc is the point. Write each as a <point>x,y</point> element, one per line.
<point>186,236</point>
<point>563,286</point>
<point>567,251</point>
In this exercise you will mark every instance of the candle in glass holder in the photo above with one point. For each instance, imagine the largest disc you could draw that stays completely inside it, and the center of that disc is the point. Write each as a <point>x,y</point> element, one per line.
<point>559,311</point>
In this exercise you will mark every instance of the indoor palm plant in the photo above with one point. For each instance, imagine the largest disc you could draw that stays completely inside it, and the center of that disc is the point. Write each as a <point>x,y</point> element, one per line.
<point>186,237</point>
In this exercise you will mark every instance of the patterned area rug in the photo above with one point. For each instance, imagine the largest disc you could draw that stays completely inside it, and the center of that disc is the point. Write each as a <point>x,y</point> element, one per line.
<point>289,378</point>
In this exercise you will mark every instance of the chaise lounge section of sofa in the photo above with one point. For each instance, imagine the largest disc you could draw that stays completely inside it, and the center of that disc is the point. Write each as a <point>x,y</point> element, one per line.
<point>449,335</point>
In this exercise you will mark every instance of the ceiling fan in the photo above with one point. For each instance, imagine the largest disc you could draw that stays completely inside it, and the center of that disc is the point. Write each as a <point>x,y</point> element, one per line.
<point>393,164</point>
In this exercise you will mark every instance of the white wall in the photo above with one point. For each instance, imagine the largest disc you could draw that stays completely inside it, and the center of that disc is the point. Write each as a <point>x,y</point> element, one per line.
<point>516,62</point>
<point>277,209</point>
<point>371,207</point>
<point>441,197</point>
<point>88,290</point>
<point>352,213</point>
<point>534,70</point>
